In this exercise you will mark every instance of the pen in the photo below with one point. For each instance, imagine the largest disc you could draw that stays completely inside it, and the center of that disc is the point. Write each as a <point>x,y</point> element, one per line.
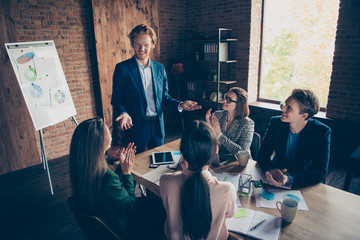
<point>257,225</point>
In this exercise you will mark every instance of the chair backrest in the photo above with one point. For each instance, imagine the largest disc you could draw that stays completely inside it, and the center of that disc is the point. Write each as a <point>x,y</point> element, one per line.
<point>255,145</point>
<point>93,227</point>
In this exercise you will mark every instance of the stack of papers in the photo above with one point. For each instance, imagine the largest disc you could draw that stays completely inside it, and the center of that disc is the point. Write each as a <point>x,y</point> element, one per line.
<point>245,219</point>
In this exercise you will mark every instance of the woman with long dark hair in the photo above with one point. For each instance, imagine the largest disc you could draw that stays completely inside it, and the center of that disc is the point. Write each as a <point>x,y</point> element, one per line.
<point>197,203</point>
<point>97,190</point>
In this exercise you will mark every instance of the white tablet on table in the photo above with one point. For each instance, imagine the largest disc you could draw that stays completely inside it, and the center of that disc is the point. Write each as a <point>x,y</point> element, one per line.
<point>161,158</point>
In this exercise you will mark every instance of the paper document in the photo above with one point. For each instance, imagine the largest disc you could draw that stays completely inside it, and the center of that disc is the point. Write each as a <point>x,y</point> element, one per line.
<point>269,229</point>
<point>280,195</point>
<point>228,177</point>
<point>154,175</point>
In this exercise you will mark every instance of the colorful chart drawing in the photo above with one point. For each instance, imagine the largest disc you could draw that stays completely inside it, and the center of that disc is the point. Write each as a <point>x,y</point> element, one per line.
<point>25,58</point>
<point>59,97</point>
<point>30,74</point>
<point>36,91</point>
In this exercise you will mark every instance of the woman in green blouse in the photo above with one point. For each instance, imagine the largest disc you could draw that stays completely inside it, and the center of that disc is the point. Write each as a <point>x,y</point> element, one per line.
<point>99,191</point>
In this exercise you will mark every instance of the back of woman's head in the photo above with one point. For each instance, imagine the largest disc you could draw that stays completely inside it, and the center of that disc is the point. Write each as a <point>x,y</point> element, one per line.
<point>198,147</point>
<point>198,144</point>
<point>87,163</point>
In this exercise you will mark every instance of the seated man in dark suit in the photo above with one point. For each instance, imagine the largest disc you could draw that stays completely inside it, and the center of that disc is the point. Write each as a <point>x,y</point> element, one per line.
<point>301,144</point>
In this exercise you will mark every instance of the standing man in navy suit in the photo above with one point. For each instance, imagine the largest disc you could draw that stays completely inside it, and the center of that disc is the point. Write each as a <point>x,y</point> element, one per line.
<point>140,92</point>
<point>301,144</point>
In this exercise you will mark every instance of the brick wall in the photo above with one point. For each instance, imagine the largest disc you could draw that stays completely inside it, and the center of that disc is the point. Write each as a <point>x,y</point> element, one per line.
<point>344,95</point>
<point>69,24</point>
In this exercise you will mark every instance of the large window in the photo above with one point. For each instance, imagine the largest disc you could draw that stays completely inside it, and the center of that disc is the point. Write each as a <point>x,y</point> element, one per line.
<point>297,49</point>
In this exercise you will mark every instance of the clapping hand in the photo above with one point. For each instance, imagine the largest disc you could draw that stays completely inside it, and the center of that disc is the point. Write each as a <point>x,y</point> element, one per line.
<point>127,157</point>
<point>114,153</point>
<point>213,121</point>
<point>208,116</point>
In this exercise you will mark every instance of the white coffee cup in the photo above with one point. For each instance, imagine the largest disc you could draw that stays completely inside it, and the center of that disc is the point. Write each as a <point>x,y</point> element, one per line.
<point>288,210</point>
<point>242,157</point>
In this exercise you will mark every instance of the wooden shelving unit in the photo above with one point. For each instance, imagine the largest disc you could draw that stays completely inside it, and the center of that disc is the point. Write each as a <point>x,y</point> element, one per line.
<point>214,54</point>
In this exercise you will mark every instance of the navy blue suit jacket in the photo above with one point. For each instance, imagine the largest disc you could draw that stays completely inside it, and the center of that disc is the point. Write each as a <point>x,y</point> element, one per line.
<point>129,96</point>
<point>311,155</point>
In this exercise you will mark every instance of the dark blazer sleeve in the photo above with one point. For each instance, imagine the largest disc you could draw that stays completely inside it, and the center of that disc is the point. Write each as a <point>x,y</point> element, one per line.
<point>118,91</point>
<point>312,156</point>
<point>267,146</point>
<point>161,89</point>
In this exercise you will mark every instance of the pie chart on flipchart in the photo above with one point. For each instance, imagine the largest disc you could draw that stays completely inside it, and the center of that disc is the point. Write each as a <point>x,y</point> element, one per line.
<point>60,97</point>
<point>36,91</point>
<point>25,58</point>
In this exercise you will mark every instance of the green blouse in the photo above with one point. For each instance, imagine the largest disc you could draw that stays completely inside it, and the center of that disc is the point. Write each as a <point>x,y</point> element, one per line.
<point>117,200</point>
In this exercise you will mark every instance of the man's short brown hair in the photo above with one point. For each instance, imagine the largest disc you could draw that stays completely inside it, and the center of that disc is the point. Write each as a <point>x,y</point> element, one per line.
<point>142,29</point>
<point>308,101</point>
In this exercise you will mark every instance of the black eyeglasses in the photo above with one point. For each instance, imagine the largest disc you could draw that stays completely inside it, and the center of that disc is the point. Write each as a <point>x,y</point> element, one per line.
<point>229,100</point>
<point>282,104</point>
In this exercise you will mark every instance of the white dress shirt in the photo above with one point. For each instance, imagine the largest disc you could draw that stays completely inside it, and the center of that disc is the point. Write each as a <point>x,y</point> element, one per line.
<point>146,77</point>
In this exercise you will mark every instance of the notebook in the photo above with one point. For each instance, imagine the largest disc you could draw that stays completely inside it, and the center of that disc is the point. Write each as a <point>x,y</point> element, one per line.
<point>245,219</point>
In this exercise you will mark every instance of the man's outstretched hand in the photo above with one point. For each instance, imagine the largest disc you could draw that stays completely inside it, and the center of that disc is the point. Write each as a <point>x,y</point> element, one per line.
<point>190,105</point>
<point>125,121</point>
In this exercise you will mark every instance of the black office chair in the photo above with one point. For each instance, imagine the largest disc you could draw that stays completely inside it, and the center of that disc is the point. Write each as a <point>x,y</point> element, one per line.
<point>93,227</point>
<point>352,166</point>
<point>255,145</point>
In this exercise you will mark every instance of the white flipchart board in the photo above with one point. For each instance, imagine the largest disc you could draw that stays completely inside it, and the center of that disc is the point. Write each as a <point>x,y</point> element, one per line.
<point>42,82</point>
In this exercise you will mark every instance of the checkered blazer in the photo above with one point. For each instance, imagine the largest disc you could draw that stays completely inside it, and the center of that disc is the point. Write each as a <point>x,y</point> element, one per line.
<point>239,135</point>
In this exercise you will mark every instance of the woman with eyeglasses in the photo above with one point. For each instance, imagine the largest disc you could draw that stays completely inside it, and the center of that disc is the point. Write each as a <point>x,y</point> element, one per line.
<point>232,126</point>
<point>99,191</point>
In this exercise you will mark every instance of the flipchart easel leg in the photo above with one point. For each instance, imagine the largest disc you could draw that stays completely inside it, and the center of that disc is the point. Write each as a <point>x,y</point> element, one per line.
<point>74,120</point>
<point>43,156</point>
<point>44,159</point>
